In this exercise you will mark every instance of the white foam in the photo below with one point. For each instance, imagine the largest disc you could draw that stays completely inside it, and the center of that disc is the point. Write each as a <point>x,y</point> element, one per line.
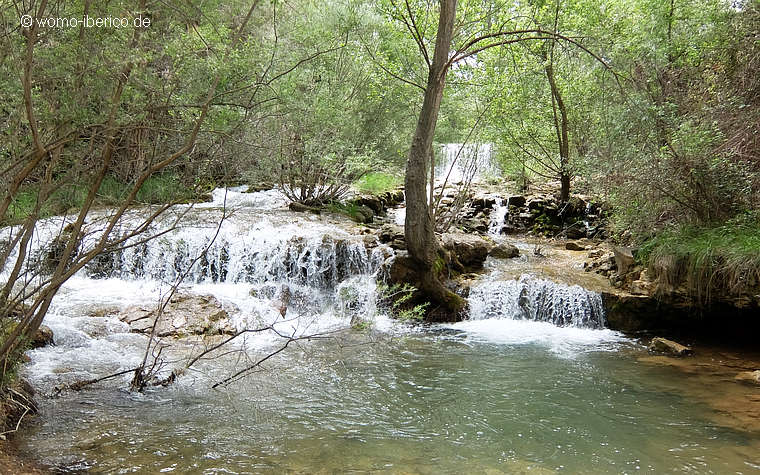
<point>564,341</point>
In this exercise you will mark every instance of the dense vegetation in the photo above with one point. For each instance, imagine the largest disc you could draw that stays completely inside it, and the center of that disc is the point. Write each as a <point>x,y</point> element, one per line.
<point>651,105</point>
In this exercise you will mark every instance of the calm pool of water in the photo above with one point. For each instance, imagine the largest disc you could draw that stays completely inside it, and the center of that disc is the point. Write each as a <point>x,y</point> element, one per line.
<point>433,402</point>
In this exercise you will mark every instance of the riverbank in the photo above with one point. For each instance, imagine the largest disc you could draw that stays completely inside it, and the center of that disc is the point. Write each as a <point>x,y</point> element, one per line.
<point>14,462</point>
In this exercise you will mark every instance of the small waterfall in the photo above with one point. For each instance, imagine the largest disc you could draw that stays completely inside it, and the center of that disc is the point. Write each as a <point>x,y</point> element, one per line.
<point>498,217</point>
<point>535,299</point>
<point>474,161</point>
<point>264,253</point>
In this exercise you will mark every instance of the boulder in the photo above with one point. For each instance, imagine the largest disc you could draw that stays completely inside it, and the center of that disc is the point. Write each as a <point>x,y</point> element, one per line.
<point>42,337</point>
<point>504,251</point>
<point>471,251</point>
<point>374,203</point>
<point>575,230</point>
<point>394,197</point>
<point>752,377</point>
<point>663,345</point>
<point>623,259</point>
<point>575,206</point>
<point>185,314</point>
<point>574,246</point>
<point>363,214</point>
<point>476,225</point>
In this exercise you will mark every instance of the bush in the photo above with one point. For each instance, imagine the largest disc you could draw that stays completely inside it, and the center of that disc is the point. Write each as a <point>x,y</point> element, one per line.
<point>378,183</point>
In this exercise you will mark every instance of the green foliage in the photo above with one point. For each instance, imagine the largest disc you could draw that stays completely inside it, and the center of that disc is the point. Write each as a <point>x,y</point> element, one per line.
<point>722,259</point>
<point>378,182</point>
<point>165,188</point>
<point>21,206</point>
<point>9,373</point>
<point>397,300</point>
<point>349,209</point>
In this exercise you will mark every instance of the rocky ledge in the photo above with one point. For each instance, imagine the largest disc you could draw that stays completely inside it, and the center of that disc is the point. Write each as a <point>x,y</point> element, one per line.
<point>185,314</point>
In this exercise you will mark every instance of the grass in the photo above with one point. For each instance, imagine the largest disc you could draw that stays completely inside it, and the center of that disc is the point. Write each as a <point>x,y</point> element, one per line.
<point>160,188</point>
<point>718,259</point>
<point>378,183</point>
<point>349,209</point>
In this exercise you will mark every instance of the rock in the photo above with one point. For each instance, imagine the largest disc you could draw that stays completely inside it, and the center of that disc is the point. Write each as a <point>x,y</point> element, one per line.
<point>478,225</point>
<point>623,259</point>
<point>369,240</point>
<point>575,206</point>
<point>42,337</point>
<point>400,268</point>
<point>185,314</point>
<point>261,186</point>
<point>392,235</point>
<point>575,231</point>
<point>483,202</point>
<point>372,202</point>
<point>393,198</point>
<point>595,254</point>
<point>363,214</point>
<point>574,246</point>
<point>302,208</point>
<point>516,201</point>
<point>471,251</point>
<point>537,204</point>
<point>641,287</point>
<point>662,345</point>
<point>504,251</point>
<point>749,377</point>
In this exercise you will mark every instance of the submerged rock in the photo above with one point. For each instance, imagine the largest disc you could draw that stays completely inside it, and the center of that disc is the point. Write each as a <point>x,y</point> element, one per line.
<point>185,314</point>
<point>663,345</point>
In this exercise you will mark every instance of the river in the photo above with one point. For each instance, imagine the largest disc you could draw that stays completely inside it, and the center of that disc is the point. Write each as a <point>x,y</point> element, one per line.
<point>533,382</point>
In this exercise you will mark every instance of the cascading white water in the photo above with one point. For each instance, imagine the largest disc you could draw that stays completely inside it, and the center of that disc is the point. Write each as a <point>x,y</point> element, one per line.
<point>498,217</point>
<point>256,253</point>
<point>267,266</point>
<point>535,299</point>
<point>459,162</point>
<point>566,319</point>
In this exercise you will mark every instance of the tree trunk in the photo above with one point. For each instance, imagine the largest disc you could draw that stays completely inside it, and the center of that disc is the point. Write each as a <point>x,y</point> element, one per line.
<point>561,126</point>
<point>419,225</point>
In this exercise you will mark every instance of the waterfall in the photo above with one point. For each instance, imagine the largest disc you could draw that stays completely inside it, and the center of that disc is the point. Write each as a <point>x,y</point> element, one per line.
<point>531,298</point>
<point>474,161</point>
<point>498,217</point>
<point>256,254</point>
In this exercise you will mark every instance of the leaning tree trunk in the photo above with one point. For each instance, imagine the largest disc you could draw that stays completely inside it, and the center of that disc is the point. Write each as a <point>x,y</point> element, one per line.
<point>419,225</point>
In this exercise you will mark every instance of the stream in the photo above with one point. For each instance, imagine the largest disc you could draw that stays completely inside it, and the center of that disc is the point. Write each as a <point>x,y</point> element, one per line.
<point>532,382</point>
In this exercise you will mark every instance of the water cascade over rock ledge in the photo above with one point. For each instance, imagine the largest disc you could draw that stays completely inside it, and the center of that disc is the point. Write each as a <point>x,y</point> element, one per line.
<point>531,298</point>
